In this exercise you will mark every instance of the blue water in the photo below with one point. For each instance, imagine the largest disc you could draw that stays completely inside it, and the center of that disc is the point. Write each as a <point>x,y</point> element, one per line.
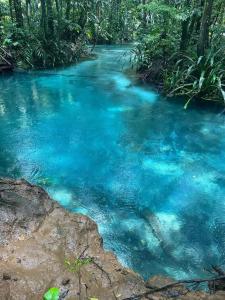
<point>151,174</point>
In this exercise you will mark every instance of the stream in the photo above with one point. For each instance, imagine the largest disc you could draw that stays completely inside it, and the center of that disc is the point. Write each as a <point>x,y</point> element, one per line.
<point>151,174</point>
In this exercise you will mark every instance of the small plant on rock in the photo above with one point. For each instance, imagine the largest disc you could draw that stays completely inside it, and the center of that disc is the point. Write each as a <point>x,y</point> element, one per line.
<point>75,265</point>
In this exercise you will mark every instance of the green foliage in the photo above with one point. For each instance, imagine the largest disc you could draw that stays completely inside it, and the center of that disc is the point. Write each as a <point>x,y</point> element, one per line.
<point>202,77</point>
<point>43,34</point>
<point>157,43</point>
<point>182,46</point>
<point>52,294</point>
<point>75,265</point>
<point>160,9</point>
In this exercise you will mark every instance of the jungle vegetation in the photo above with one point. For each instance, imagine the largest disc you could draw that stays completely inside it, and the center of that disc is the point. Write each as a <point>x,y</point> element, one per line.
<point>178,44</point>
<point>182,47</point>
<point>47,33</point>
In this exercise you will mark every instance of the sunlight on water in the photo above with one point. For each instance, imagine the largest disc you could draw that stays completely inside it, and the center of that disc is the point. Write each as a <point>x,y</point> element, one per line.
<point>151,174</point>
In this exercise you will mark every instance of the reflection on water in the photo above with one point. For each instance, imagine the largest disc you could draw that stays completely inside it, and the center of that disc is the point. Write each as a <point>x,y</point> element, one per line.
<point>150,173</point>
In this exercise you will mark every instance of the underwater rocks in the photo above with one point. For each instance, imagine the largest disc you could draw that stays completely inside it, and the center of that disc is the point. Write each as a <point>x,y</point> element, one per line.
<point>43,246</point>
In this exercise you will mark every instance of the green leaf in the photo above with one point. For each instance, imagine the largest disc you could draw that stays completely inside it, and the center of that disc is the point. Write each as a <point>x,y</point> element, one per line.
<point>223,94</point>
<point>52,294</point>
<point>93,298</point>
<point>201,80</point>
<point>195,84</point>
<point>199,60</point>
<point>89,34</point>
<point>189,71</point>
<point>7,41</point>
<point>211,61</point>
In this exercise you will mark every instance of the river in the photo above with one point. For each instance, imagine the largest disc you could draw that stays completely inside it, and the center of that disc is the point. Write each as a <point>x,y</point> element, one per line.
<point>151,174</point>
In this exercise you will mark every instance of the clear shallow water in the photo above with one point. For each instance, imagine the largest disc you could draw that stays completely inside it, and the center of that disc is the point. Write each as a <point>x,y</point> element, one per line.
<point>148,172</point>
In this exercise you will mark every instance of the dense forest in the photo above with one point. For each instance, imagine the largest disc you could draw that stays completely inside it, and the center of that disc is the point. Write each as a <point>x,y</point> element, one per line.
<point>177,44</point>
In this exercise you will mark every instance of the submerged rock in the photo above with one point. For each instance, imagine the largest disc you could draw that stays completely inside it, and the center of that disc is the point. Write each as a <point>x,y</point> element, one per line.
<point>43,246</point>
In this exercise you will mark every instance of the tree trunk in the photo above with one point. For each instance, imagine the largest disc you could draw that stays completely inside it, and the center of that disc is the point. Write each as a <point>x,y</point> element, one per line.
<point>203,41</point>
<point>11,10</point>
<point>68,9</point>
<point>43,17</point>
<point>28,12</point>
<point>18,13</point>
<point>144,15</point>
<point>58,10</point>
<point>187,31</point>
<point>50,18</point>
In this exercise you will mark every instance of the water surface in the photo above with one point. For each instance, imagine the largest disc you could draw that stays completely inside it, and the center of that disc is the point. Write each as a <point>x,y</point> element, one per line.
<point>148,172</point>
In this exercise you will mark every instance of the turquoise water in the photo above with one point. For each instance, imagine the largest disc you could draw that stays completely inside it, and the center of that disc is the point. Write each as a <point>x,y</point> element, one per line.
<point>151,174</point>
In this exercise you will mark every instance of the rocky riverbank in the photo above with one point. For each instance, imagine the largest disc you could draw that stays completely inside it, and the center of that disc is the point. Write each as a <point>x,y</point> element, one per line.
<point>43,246</point>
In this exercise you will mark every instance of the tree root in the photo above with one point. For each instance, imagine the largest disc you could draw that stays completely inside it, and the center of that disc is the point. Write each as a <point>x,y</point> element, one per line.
<point>196,283</point>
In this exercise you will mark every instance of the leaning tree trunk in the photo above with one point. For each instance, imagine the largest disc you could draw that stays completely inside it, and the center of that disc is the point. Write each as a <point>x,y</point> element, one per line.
<point>203,41</point>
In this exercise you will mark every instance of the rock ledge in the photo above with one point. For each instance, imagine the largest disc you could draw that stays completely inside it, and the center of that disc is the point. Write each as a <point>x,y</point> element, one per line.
<point>37,236</point>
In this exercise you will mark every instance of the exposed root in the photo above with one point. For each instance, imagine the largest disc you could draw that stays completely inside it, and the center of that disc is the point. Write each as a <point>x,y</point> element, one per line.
<point>195,282</point>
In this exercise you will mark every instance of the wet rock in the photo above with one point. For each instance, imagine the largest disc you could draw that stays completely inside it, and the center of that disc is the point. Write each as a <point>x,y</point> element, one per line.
<point>37,236</point>
<point>158,281</point>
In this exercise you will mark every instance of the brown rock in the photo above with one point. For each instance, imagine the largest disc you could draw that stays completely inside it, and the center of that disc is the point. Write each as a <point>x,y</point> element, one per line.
<point>37,236</point>
<point>6,276</point>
